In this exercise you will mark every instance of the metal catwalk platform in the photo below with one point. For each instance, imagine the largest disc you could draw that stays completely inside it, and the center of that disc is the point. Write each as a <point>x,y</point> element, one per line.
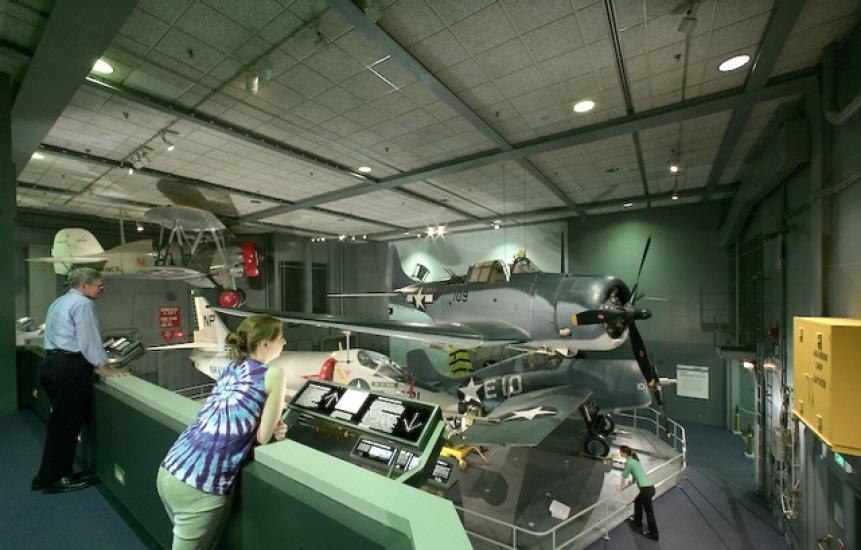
<point>504,503</point>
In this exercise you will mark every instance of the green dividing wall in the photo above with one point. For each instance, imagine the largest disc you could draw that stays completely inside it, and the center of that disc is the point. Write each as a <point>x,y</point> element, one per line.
<point>288,495</point>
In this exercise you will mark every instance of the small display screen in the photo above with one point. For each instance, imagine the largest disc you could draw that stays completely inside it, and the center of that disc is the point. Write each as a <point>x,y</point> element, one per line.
<point>441,472</point>
<point>374,450</point>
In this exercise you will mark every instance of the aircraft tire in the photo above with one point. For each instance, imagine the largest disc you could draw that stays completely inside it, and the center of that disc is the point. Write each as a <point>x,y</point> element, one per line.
<point>596,445</point>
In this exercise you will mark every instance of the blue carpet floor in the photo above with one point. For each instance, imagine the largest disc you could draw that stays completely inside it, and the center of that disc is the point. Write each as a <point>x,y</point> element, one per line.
<point>82,519</point>
<point>714,508</point>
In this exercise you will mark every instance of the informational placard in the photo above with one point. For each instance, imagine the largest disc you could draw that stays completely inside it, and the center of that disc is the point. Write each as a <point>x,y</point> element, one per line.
<point>692,381</point>
<point>393,417</point>
<point>168,317</point>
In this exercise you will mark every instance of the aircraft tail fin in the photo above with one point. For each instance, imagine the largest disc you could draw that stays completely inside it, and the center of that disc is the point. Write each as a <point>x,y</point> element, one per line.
<point>399,278</point>
<point>419,364</point>
<point>73,245</point>
<point>210,328</point>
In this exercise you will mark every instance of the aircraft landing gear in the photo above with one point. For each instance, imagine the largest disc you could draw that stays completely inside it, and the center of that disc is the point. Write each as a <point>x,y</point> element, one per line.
<point>599,425</point>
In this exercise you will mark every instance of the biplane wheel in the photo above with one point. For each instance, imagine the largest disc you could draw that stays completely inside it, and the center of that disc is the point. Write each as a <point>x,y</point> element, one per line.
<point>231,298</point>
<point>596,445</point>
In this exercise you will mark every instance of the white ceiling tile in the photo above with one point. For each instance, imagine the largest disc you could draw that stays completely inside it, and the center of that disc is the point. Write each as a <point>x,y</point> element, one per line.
<point>554,38</point>
<point>485,29</point>
<point>410,21</point>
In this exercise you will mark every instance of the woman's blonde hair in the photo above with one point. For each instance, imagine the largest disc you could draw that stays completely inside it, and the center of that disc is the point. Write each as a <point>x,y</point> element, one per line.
<point>253,330</point>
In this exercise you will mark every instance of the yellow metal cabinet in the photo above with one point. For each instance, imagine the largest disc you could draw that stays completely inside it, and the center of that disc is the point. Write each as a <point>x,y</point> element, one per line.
<point>827,378</point>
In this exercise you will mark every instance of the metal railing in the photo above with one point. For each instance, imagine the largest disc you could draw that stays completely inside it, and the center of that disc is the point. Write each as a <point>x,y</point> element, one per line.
<point>609,507</point>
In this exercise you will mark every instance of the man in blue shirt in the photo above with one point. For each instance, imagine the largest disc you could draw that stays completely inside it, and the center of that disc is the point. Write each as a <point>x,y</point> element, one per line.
<point>73,348</point>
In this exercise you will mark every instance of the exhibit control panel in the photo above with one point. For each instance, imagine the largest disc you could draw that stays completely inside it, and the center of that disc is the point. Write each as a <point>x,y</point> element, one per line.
<point>388,434</point>
<point>122,351</point>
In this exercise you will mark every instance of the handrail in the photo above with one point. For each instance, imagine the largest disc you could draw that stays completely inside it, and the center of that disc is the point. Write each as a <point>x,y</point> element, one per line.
<point>516,530</point>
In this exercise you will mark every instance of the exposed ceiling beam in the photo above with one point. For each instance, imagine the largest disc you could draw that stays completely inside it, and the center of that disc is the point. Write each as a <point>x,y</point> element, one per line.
<point>72,194</point>
<point>78,155</point>
<point>74,37</point>
<point>524,218</point>
<point>349,11</point>
<point>692,108</point>
<point>777,32</point>
<point>243,134</point>
<point>15,52</point>
<point>626,92</point>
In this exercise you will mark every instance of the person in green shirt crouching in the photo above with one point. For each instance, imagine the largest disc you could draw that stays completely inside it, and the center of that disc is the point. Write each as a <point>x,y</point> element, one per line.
<point>634,469</point>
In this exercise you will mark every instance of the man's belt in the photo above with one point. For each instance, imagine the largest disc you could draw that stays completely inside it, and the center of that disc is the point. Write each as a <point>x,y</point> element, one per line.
<point>61,352</point>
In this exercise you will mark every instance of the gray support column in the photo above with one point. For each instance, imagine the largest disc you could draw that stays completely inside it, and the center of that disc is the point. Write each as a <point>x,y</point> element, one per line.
<point>819,211</point>
<point>8,375</point>
<point>308,274</point>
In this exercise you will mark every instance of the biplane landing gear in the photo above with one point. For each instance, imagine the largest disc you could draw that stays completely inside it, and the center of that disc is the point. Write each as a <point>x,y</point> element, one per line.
<point>231,298</point>
<point>599,425</point>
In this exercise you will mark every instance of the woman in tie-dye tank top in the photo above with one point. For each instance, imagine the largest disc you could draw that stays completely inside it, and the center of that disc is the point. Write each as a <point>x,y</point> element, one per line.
<point>196,477</point>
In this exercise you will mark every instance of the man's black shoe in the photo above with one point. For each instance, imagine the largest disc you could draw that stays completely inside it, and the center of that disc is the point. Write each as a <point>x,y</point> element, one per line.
<point>66,484</point>
<point>37,484</point>
<point>84,475</point>
<point>650,535</point>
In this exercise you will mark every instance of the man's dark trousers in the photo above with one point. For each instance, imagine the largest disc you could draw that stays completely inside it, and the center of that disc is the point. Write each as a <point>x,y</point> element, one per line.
<point>68,380</point>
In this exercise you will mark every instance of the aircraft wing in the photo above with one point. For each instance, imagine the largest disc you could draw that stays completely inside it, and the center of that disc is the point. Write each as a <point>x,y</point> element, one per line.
<point>469,334</point>
<point>68,260</point>
<point>525,420</point>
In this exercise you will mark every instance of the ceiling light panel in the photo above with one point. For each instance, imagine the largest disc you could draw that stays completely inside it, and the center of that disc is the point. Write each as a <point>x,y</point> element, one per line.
<point>394,208</point>
<point>819,24</point>
<point>324,223</point>
<point>653,49</point>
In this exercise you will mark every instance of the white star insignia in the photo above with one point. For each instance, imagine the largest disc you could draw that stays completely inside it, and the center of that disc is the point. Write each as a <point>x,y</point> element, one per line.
<point>420,299</point>
<point>530,413</point>
<point>470,391</point>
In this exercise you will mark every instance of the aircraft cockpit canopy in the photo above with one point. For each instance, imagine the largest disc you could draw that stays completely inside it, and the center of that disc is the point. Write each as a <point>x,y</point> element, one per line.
<point>522,264</point>
<point>383,366</point>
<point>494,271</point>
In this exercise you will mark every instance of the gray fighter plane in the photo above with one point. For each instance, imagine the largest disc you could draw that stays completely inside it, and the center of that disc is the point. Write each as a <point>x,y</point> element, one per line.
<point>518,306</point>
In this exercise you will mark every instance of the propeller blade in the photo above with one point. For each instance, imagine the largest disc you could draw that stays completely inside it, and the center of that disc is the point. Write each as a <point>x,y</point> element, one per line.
<point>640,353</point>
<point>597,316</point>
<point>640,272</point>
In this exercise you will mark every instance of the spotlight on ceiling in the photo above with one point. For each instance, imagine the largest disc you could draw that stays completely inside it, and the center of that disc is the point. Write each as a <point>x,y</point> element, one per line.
<point>628,205</point>
<point>584,106</point>
<point>102,67</point>
<point>440,230</point>
<point>37,156</point>
<point>430,231</point>
<point>675,196</point>
<point>168,143</point>
<point>341,237</point>
<point>406,232</point>
<point>733,63</point>
<point>138,227</point>
<point>364,237</point>
<point>674,168</point>
<point>131,170</point>
<point>364,169</point>
<point>252,81</point>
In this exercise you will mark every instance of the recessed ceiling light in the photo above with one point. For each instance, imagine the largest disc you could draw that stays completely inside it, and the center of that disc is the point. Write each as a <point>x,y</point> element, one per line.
<point>584,106</point>
<point>674,168</point>
<point>675,196</point>
<point>37,156</point>
<point>364,169</point>
<point>628,205</point>
<point>733,63</point>
<point>102,67</point>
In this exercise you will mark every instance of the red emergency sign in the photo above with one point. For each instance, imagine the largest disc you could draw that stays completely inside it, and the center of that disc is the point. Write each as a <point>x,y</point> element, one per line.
<point>168,317</point>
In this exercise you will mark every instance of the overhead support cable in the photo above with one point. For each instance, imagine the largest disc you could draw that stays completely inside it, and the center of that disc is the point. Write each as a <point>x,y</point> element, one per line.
<point>354,15</point>
<point>781,86</point>
<point>78,155</point>
<point>616,40</point>
<point>777,32</point>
